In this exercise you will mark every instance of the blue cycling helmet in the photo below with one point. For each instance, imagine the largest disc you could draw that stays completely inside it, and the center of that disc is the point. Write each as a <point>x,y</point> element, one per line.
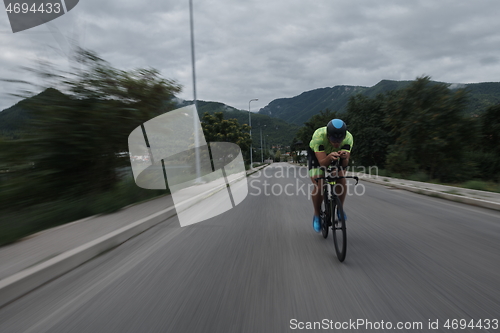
<point>336,130</point>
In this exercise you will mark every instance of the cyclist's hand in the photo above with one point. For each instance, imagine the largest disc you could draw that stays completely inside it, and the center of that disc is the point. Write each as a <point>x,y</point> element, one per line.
<point>333,156</point>
<point>342,154</point>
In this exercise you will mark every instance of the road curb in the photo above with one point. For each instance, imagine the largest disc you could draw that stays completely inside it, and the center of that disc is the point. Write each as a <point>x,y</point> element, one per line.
<point>257,169</point>
<point>205,195</point>
<point>33,277</point>
<point>438,194</point>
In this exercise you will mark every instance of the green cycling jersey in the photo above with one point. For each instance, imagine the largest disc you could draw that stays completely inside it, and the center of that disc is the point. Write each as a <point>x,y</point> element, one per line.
<point>320,142</point>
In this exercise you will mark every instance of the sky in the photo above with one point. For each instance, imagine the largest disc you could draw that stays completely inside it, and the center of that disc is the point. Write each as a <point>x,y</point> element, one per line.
<point>266,50</point>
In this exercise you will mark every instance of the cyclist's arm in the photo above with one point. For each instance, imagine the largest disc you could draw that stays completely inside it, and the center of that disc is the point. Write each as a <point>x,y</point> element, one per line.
<point>345,151</point>
<point>324,159</point>
<point>344,154</point>
<point>344,158</point>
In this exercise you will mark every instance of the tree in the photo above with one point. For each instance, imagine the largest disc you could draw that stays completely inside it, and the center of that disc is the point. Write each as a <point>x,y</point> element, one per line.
<point>321,119</point>
<point>490,129</point>
<point>218,129</point>
<point>486,152</point>
<point>427,121</point>
<point>365,119</point>
<point>74,139</point>
<point>277,156</point>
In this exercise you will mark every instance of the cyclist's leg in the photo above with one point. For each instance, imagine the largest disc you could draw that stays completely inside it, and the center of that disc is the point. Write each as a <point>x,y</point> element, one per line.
<point>314,172</point>
<point>341,188</point>
<point>317,194</point>
<point>317,199</point>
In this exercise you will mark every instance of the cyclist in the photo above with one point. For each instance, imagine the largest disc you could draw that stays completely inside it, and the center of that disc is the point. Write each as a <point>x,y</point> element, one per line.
<point>327,145</point>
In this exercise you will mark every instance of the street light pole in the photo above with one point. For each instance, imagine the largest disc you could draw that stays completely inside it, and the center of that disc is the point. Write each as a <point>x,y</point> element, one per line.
<point>261,148</point>
<point>250,124</point>
<point>265,146</point>
<point>195,115</point>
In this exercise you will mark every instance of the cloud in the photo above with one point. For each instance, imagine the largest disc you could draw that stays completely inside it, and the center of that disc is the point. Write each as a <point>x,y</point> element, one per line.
<point>275,49</point>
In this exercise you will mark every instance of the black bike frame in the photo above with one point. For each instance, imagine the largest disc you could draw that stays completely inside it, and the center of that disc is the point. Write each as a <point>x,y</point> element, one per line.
<point>331,200</point>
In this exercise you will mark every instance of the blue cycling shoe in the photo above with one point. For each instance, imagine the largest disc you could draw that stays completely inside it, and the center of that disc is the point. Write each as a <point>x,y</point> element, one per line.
<point>338,215</point>
<point>316,223</point>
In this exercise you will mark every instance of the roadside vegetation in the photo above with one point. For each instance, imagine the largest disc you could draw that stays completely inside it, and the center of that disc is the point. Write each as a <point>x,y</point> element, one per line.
<point>18,223</point>
<point>422,132</point>
<point>64,152</point>
<point>66,161</point>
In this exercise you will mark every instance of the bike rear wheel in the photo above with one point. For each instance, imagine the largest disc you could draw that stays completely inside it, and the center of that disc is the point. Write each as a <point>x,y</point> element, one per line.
<point>339,230</point>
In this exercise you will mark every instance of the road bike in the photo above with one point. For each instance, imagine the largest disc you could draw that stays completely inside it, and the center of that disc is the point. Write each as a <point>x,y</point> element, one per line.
<point>332,212</point>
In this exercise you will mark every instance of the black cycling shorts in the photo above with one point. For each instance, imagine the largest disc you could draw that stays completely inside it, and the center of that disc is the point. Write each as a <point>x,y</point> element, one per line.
<point>315,169</point>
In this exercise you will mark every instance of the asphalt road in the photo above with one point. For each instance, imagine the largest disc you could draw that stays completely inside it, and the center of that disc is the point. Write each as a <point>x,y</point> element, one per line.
<point>260,267</point>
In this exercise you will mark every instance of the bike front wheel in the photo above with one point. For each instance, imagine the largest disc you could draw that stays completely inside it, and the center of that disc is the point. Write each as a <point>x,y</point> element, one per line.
<point>339,230</point>
<point>326,215</point>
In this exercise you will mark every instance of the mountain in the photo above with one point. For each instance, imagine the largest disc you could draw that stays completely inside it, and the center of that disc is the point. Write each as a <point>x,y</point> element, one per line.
<point>14,119</point>
<point>481,95</point>
<point>299,109</point>
<point>274,130</point>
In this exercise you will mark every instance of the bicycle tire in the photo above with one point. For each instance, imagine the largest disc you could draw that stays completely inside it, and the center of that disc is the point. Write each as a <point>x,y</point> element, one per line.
<point>339,230</point>
<point>326,215</point>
